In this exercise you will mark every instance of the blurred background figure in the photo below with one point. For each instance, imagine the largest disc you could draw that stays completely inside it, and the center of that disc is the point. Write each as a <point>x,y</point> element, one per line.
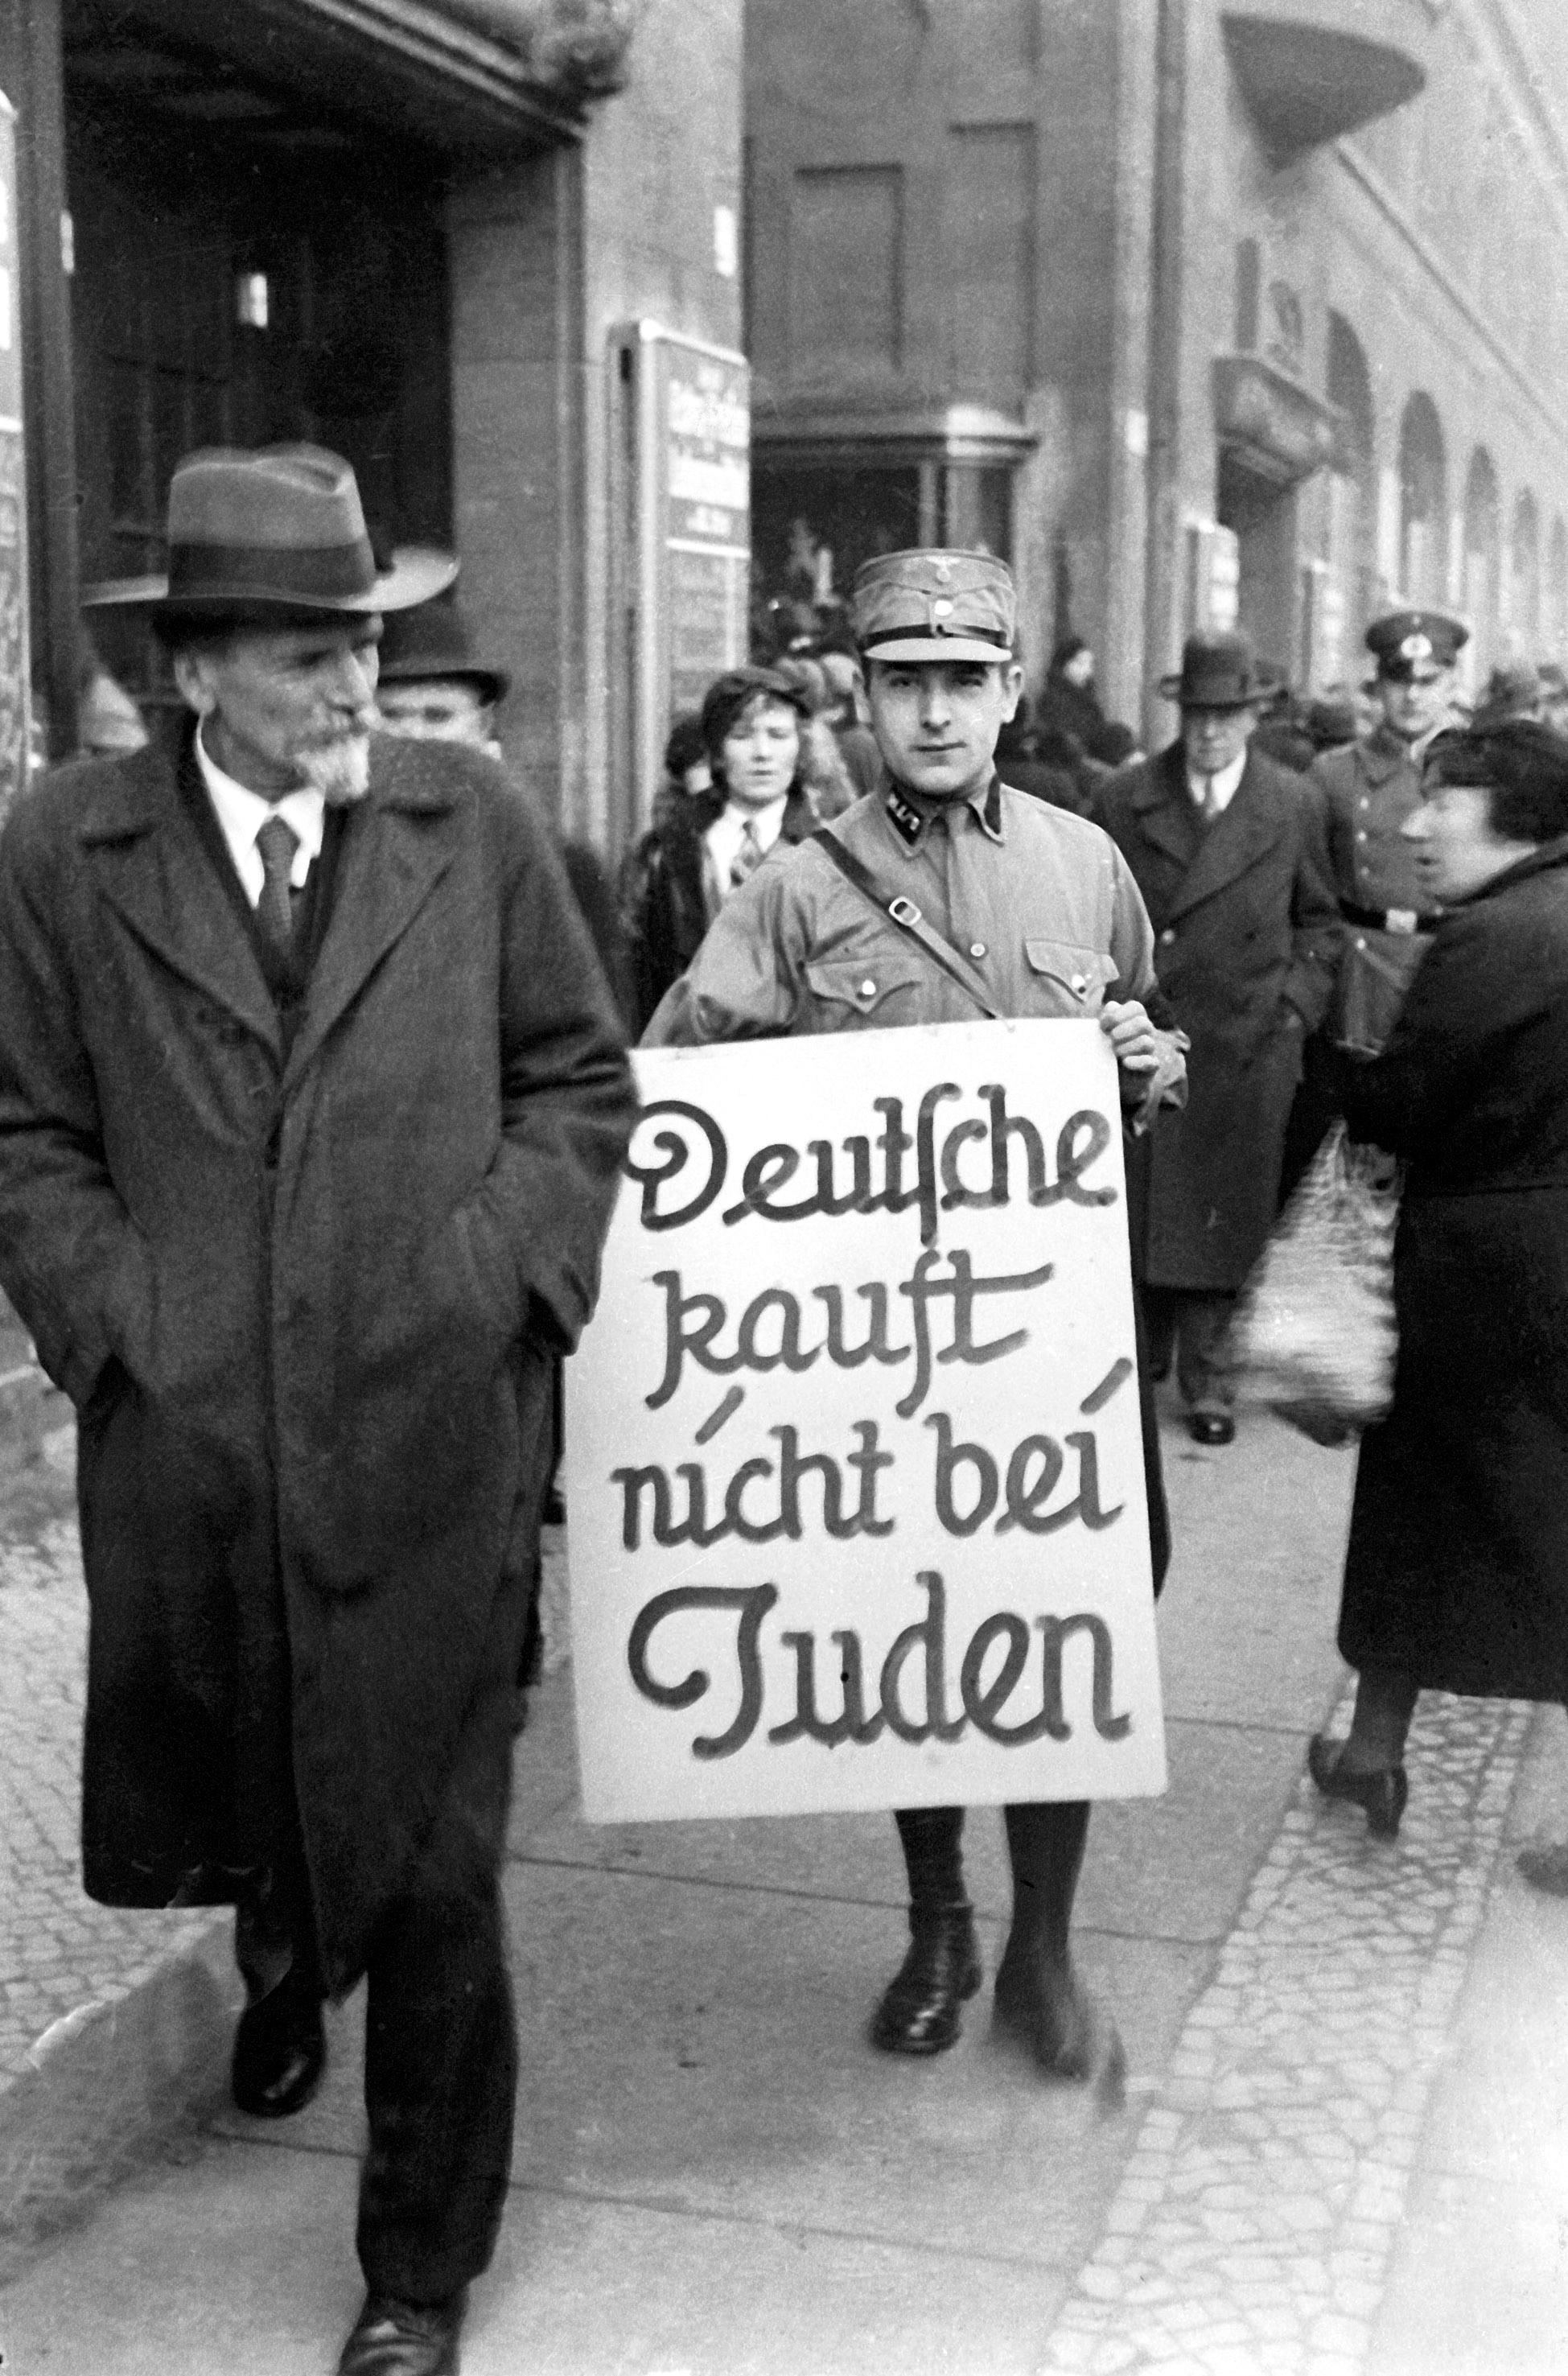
<point>821,765</point>
<point>849,718</point>
<point>1019,762</point>
<point>431,686</point>
<point>1513,691</point>
<point>1069,705</point>
<point>1554,697</point>
<point>107,719</point>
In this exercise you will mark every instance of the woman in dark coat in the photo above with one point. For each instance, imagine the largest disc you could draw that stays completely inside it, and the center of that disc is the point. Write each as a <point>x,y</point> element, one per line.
<point>1069,705</point>
<point>1457,1573</point>
<point>667,896</point>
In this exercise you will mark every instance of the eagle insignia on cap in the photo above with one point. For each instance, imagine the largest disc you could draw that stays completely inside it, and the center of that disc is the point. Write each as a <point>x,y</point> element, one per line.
<point>1416,648</point>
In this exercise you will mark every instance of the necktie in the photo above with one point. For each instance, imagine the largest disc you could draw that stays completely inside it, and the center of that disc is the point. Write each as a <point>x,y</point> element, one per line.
<point>747,859</point>
<point>1210,802</point>
<point>277,842</point>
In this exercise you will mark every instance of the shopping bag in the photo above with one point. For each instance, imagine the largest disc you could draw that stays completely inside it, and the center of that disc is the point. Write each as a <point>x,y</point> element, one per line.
<point>1314,1334</point>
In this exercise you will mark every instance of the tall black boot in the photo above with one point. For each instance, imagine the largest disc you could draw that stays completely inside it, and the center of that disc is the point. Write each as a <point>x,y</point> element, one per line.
<point>1039,1999</point>
<point>920,2013</point>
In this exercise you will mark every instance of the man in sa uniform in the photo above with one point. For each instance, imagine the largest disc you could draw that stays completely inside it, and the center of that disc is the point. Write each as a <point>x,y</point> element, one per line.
<point>1032,913</point>
<point>1367,791</point>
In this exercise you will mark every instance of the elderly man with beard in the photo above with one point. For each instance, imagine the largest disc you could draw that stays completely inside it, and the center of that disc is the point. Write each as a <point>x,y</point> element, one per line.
<point>311,1112</point>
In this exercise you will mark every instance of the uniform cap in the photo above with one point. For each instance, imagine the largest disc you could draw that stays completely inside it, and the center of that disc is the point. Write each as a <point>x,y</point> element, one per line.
<point>1412,646</point>
<point>934,605</point>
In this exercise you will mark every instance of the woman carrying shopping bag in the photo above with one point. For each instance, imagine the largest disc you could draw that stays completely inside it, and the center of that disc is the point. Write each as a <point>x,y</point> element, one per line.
<point>1456,1572</point>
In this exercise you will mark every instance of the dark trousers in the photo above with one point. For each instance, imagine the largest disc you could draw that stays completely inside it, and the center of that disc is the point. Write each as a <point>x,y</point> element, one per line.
<point>1191,1323</point>
<point>441,2053</point>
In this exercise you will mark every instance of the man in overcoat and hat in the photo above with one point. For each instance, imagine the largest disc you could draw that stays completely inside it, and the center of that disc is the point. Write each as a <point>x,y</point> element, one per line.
<point>311,1113</point>
<point>1227,851</point>
<point>1026,911</point>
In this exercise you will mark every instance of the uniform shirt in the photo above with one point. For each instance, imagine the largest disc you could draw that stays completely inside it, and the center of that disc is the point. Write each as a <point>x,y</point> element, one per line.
<point>1043,904</point>
<point>241,815</point>
<point>1367,791</point>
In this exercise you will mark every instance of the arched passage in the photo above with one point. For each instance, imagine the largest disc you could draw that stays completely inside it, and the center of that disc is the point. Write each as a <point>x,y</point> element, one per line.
<point>1556,589</point>
<point>1422,502</point>
<point>1351,549</point>
<point>1524,599</point>
<point>1482,550</point>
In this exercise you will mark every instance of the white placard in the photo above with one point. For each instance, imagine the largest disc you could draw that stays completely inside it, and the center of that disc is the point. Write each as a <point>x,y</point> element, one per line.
<point>857,1514</point>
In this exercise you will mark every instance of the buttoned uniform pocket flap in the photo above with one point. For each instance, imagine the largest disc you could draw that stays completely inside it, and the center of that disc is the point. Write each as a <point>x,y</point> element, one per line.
<point>861,986</point>
<point>1083,973</point>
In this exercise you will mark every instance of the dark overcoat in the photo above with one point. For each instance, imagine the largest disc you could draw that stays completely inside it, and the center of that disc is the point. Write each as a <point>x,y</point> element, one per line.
<point>1457,1566</point>
<point>1247,936</point>
<point>303,1303</point>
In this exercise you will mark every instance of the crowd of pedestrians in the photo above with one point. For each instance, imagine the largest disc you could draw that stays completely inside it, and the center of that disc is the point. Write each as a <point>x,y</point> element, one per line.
<point>312,1098</point>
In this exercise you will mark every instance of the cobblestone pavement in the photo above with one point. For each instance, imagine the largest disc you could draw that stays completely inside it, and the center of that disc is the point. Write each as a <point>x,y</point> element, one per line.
<point>1255,2219</point>
<point>60,1956</point>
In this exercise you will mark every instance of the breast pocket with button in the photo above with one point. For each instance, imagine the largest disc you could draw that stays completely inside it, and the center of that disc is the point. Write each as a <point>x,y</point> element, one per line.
<point>1067,980</point>
<point>847,993</point>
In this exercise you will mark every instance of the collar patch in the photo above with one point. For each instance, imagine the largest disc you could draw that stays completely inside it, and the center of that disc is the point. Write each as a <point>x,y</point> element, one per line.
<point>908,822</point>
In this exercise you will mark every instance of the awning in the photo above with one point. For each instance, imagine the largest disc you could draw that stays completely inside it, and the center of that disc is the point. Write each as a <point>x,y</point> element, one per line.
<point>457,76</point>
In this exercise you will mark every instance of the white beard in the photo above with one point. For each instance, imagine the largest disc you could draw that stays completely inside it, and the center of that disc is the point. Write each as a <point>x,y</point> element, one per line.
<point>339,771</point>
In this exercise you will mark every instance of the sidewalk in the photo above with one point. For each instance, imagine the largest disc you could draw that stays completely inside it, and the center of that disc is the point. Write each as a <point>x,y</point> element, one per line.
<point>1344,2146</point>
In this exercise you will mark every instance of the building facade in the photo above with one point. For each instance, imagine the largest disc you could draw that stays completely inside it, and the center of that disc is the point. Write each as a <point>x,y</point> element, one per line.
<point>407,228</point>
<point>1194,311</point>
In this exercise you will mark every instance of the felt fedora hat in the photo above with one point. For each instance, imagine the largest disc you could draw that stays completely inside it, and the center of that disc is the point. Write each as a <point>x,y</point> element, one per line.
<point>276,529</point>
<point>434,642</point>
<point>1219,670</point>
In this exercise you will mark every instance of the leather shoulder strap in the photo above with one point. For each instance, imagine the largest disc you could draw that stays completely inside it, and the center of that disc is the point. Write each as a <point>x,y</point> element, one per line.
<point>901,911</point>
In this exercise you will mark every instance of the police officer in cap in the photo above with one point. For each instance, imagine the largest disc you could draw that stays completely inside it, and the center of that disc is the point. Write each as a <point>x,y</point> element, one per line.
<point>1041,908</point>
<point>1367,792</point>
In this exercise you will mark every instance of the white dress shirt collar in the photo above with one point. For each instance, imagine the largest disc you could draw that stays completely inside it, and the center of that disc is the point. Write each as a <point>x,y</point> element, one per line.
<point>728,831</point>
<point>1224,784</point>
<point>241,815</point>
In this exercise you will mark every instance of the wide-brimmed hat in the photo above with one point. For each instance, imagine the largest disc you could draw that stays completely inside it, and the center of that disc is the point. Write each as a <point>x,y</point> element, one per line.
<point>434,642</point>
<point>276,529</point>
<point>931,605</point>
<point>1219,670</point>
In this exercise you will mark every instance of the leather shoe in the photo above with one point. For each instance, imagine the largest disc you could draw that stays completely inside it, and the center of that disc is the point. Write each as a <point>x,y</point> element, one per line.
<point>279,2053</point>
<point>1211,1427</point>
<point>1382,1792</point>
<point>1546,1868</point>
<point>399,2338</point>
<point>920,2013</point>
<point>1039,2005</point>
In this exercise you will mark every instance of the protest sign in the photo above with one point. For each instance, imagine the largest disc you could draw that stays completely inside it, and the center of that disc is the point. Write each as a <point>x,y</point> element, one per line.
<point>856,1495</point>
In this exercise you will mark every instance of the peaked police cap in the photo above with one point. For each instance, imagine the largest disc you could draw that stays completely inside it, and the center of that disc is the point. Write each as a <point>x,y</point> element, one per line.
<point>1416,644</point>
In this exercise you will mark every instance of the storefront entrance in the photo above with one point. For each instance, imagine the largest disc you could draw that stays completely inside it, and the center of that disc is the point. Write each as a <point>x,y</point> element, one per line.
<point>264,281</point>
